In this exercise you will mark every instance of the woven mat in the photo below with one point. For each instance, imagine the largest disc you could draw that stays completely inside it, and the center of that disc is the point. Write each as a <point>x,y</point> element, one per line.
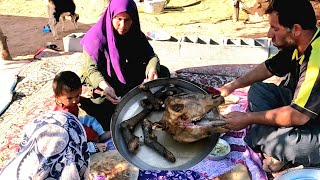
<point>33,96</point>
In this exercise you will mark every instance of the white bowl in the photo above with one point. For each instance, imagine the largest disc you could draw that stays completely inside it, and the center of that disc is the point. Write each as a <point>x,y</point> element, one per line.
<point>220,150</point>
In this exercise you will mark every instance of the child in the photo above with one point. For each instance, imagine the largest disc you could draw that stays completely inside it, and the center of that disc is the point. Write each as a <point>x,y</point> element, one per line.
<point>67,89</point>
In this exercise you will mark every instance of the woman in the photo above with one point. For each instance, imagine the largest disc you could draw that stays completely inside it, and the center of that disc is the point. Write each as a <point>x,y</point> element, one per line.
<point>118,57</point>
<point>53,146</point>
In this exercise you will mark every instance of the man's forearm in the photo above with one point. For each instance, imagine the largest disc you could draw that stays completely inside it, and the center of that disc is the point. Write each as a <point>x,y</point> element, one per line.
<point>259,73</point>
<point>284,117</point>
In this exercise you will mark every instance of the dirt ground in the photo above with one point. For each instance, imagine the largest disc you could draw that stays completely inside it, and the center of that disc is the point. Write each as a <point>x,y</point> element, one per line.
<point>22,22</point>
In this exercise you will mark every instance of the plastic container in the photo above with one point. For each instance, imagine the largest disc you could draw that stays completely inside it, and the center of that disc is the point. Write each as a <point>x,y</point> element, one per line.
<point>71,42</point>
<point>154,6</point>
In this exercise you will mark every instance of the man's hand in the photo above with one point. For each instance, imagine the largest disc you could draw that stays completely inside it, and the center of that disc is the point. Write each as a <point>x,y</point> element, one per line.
<point>236,120</point>
<point>227,89</point>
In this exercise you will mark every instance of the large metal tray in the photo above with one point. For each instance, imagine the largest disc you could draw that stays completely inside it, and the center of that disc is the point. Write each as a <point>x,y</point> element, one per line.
<point>187,155</point>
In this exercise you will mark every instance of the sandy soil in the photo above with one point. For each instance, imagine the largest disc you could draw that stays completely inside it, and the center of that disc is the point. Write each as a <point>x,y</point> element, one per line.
<point>22,22</point>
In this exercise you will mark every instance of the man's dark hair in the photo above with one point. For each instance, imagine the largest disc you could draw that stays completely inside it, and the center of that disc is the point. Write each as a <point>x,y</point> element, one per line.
<point>67,81</point>
<point>294,12</point>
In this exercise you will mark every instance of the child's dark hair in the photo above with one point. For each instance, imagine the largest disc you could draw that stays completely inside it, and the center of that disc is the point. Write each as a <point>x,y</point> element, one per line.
<point>67,81</point>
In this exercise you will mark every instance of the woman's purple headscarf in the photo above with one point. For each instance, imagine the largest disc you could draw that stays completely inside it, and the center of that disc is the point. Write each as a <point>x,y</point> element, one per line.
<point>101,37</point>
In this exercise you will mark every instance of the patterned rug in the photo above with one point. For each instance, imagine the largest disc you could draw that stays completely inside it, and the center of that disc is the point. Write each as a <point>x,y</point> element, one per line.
<point>33,96</point>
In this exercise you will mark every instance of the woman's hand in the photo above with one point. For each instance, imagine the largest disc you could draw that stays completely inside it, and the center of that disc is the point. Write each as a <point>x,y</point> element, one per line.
<point>111,95</point>
<point>109,92</point>
<point>152,74</point>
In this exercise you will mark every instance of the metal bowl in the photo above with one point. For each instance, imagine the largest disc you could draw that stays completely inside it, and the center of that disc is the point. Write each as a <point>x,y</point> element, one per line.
<point>187,155</point>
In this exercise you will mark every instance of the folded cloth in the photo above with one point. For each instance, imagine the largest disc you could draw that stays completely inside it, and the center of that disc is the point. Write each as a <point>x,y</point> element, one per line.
<point>110,145</point>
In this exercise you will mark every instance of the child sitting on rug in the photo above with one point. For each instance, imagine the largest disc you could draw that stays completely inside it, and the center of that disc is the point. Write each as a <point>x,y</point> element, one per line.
<point>67,90</point>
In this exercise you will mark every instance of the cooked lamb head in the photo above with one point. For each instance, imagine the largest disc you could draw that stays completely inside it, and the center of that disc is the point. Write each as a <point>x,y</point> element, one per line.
<point>185,117</point>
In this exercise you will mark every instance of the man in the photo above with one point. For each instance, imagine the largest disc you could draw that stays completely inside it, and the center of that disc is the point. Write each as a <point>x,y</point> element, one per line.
<point>284,121</point>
